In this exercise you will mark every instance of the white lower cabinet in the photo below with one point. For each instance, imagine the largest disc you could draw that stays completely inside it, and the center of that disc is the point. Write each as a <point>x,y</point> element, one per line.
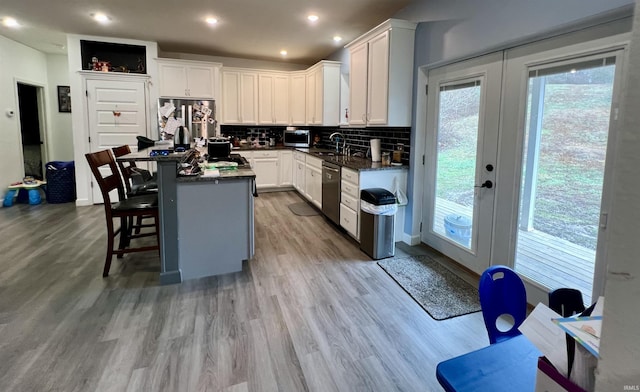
<point>350,202</point>
<point>299,168</point>
<point>285,164</point>
<point>265,165</point>
<point>313,180</point>
<point>273,168</point>
<point>349,220</point>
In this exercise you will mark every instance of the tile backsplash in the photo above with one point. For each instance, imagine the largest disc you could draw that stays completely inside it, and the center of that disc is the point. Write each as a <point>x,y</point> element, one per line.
<point>357,138</point>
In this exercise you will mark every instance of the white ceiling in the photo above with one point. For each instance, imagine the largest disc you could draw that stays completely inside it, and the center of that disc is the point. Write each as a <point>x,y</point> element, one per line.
<point>253,29</point>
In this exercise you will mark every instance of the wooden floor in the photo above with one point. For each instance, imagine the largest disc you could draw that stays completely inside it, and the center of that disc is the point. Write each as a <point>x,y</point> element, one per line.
<point>550,261</point>
<point>310,312</point>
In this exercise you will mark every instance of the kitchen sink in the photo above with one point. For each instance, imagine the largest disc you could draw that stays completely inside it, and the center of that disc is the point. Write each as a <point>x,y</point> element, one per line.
<point>326,153</point>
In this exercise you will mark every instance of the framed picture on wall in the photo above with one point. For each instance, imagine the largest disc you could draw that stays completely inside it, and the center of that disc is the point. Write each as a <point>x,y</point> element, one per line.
<point>64,99</point>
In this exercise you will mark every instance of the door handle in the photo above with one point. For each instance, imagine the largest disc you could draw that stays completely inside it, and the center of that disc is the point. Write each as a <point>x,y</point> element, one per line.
<point>487,184</point>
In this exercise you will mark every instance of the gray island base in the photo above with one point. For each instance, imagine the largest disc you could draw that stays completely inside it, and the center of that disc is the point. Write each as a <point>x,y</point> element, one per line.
<point>215,226</point>
<point>206,223</point>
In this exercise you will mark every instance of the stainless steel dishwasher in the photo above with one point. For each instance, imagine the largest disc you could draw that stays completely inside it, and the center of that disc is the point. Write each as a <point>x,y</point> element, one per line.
<point>331,191</point>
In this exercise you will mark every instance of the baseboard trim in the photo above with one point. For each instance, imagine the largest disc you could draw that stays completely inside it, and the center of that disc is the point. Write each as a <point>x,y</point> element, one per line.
<point>171,277</point>
<point>411,240</point>
<point>83,203</point>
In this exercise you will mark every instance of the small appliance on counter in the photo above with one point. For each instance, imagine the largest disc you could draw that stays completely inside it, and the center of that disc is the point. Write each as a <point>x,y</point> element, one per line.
<point>296,138</point>
<point>182,139</point>
<point>218,147</point>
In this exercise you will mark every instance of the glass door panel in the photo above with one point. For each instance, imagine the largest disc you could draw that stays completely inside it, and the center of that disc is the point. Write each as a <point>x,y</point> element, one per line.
<point>563,167</point>
<point>456,156</point>
<point>462,124</point>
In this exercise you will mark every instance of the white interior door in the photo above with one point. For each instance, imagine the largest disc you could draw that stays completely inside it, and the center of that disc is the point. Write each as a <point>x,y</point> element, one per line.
<point>116,115</point>
<point>462,135</point>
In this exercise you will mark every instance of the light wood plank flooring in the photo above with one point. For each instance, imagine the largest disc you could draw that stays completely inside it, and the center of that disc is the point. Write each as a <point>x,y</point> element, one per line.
<point>310,312</point>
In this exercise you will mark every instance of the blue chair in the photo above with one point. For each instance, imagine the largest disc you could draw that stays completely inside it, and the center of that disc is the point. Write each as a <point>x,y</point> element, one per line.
<point>502,293</point>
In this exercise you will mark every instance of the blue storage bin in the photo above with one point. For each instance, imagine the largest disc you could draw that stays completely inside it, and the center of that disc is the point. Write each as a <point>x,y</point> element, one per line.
<point>61,182</point>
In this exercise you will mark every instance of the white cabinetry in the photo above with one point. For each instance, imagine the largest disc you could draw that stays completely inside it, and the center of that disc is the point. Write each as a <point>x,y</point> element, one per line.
<point>285,164</point>
<point>351,185</point>
<point>381,75</point>
<point>239,96</point>
<point>299,171</point>
<point>273,98</point>
<point>188,79</point>
<point>350,202</point>
<point>323,94</point>
<point>297,98</point>
<point>313,180</point>
<point>265,165</point>
<point>273,168</point>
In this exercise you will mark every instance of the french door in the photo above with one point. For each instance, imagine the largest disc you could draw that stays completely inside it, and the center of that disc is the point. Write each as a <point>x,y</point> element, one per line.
<point>518,164</point>
<point>462,135</point>
<point>562,104</point>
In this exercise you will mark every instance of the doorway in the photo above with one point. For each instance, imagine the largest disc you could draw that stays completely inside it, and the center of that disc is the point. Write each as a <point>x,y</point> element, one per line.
<point>555,107</point>
<point>462,131</point>
<point>30,104</point>
<point>567,120</point>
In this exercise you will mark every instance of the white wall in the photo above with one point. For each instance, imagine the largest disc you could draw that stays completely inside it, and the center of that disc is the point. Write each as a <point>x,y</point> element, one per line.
<point>17,63</point>
<point>60,135</point>
<point>455,29</point>
<point>620,345</point>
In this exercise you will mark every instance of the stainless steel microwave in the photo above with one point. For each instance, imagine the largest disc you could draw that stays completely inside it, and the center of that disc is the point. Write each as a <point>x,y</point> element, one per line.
<point>297,138</point>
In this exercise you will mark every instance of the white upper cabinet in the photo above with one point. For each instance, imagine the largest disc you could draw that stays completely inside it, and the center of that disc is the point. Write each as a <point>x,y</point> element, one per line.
<point>358,84</point>
<point>297,98</point>
<point>310,97</point>
<point>188,79</point>
<point>381,75</point>
<point>273,98</point>
<point>323,94</point>
<point>239,96</point>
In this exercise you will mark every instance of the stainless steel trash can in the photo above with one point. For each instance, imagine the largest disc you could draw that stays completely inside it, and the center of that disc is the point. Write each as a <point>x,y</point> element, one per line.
<point>378,207</point>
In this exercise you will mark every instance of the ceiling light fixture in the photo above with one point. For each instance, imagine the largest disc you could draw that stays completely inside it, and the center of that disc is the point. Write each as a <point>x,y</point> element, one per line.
<point>212,21</point>
<point>337,38</point>
<point>312,18</point>
<point>10,22</point>
<point>101,18</point>
<point>283,52</point>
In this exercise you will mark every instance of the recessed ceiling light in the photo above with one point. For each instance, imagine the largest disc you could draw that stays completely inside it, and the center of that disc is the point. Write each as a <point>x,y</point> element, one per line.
<point>337,38</point>
<point>10,22</point>
<point>212,21</point>
<point>283,52</point>
<point>101,18</point>
<point>312,18</point>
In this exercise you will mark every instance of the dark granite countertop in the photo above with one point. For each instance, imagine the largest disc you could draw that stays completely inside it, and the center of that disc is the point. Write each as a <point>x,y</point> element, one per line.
<point>354,163</point>
<point>225,175</point>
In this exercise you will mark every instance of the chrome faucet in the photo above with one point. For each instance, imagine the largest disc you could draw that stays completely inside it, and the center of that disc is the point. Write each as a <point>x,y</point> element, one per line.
<point>344,141</point>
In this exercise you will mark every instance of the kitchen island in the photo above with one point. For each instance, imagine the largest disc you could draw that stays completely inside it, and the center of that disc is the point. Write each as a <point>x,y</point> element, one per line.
<point>206,223</point>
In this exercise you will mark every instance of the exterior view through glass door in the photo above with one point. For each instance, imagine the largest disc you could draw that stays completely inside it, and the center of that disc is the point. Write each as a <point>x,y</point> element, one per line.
<point>566,126</point>
<point>462,128</point>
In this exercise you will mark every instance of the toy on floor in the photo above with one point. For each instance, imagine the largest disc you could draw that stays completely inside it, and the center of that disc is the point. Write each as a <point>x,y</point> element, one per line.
<point>29,185</point>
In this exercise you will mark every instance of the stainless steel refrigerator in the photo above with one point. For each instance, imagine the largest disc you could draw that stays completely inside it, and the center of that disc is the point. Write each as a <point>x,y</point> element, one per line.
<point>199,116</point>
